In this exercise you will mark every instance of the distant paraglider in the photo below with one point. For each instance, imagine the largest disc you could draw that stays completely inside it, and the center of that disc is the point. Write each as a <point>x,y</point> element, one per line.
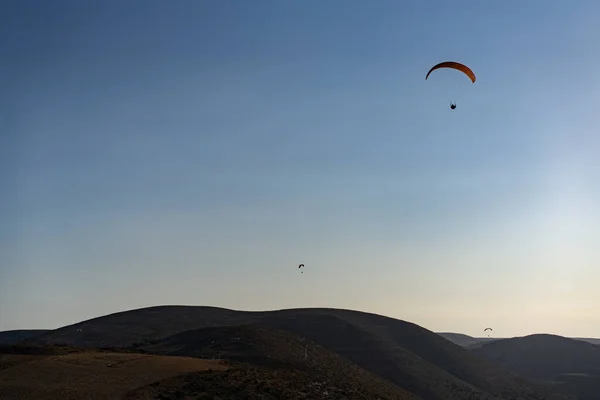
<point>488,329</point>
<point>300,266</point>
<point>457,66</point>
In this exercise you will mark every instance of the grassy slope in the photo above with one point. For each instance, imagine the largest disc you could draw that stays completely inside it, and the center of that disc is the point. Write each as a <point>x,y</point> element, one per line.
<point>89,374</point>
<point>252,382</point>
<point>271,365</point>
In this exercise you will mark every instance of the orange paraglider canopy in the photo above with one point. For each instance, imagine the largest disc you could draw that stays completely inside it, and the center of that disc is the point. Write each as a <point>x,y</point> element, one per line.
<point>454,65</point>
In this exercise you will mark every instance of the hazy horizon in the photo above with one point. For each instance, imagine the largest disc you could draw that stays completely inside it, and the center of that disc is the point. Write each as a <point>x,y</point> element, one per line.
<point>196,152</point>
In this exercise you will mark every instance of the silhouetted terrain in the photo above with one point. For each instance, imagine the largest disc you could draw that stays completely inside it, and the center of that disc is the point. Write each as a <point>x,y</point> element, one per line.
<point>589,340</point>
<point>271,365</point>
<point>255,382</point>
<point>570,365</point>
<point>473,342</point>
<point>464,340</point>
<point>263,350</point>
<point>409,356</point>
<point>12,337</point>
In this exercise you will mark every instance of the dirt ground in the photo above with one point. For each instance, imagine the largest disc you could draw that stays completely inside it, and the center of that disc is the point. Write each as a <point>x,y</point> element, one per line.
<point>90,375</point>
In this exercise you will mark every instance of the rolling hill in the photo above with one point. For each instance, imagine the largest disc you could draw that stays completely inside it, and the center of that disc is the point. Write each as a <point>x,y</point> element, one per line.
<point>472,342</point>
<point>50,372</point>
<point>409,356</point>
<point>589,340</point>
<point>16,336</point>
<point>464,340</point>
<point>265,348</point>
<point>569,364</point>
<point>531,356</point>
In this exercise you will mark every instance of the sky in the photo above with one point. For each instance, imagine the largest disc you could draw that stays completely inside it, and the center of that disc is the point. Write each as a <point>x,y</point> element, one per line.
<point>195,152</point>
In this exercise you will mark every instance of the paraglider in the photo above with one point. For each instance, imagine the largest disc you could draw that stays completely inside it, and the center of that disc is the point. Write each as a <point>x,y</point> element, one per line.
<point>454,65</point>
<point>457,66</point>
<point>488,329</point>
<point>300,266</point>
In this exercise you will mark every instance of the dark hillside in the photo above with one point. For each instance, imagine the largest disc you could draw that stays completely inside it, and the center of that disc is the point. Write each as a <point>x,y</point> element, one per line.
<point>589,340</point>
<point>137,326</point>
<point>464,340</point>
<point>16,336</point>
<point>405,353</point>
<point>266,348</point>
<point>543,356</point>
<point>410,356</point>
<point>571,366</point>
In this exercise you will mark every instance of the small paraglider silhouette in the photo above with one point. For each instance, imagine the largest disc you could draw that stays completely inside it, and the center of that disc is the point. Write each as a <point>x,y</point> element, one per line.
<point>488,329</point>
<point>300,266</point>
<point>457,66</point>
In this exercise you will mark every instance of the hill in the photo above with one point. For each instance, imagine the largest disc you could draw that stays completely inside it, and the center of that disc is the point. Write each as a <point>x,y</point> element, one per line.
<point>406,354</point>
<point>261,348</point>
<point>589,340</point>
<point>252,382</point>
<point>50,372</point>
<point>16,336</point>
<point>572,365</point>
<point>473,342</point>
<point>464,340</point>
<point>543,356</point>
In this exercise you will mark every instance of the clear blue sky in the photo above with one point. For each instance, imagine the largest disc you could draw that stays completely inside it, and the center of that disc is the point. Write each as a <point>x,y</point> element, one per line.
<point>195,152</point>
